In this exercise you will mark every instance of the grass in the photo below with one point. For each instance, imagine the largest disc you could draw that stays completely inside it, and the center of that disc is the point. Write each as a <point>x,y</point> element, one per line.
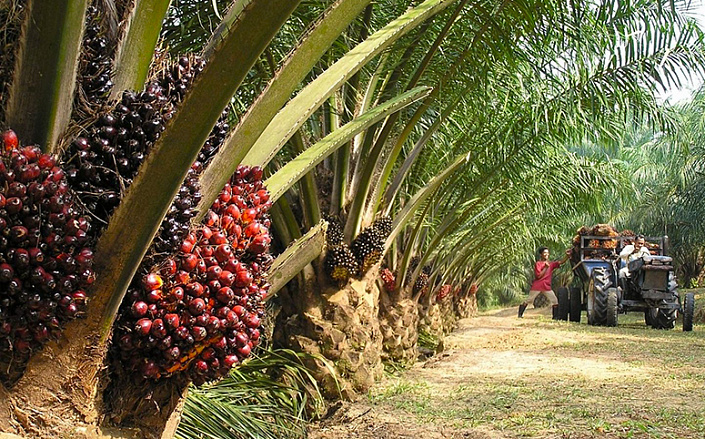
<point>644,383</point>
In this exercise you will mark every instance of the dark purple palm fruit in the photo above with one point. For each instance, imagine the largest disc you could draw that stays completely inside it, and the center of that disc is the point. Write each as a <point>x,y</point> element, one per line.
<point>199,311</point>
<point>96,65</point>
<point>45,257</point>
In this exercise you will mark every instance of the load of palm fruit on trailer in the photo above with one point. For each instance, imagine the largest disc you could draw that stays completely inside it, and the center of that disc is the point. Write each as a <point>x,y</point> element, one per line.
<point>605,242</point>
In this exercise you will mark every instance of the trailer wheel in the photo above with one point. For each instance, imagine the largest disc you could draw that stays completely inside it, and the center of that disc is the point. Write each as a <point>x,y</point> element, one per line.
<point>599,302</point>
<point>688,311</point>
<point>563,304</point>
<point>649,316</point>
<point>576,306</point>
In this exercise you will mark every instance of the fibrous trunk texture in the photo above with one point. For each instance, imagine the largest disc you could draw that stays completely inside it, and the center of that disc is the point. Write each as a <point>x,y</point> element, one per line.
<point>399,322</point>
<point>339,323</point>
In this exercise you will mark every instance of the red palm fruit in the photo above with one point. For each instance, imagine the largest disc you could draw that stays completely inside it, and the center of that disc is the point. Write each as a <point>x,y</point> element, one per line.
<point>182,277</point>
<point>254,334</point>
<point>158,329</point>
<point>197,306</point>
<point>244,350</point>
<point>172,321</point>
<point>176,294</point>
<point>153,296</point>
<point>213,272</point>
<point>221,344</point>
<point>243,278</point>
<point>252,321</point>
<point>259,244</point>
<point>10,141</point>
<point>225,295</point>
<point>139,309</point>
<point>232,211</point>
<point>218,238</point>
<point>256,173</point>
<point>181,332</point>
<point>189,262</point>
<point>210,219</point>
<point>143,326</point>
<point>249,215</point>
<point>152,281</point>
<point>201,320</point>
<point>201,367</point>
<point>202,266</point>
<point>241,338</point>
<point>230,360</point>
<point>79,297</point>
<point>195,289</point>
<point>213,324</point>
<point>149,369</point>
<point>239,310</point>
<point>206,232</point>
<point>187,246</point>
<point>226,278</point>
<point>6,273</point>
<point>208,354</point>
<point>223,252</point>
<point>199,333</point>
<point>168,267</point>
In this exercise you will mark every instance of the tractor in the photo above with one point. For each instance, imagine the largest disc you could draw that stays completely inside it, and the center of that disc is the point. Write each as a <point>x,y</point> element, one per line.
<point>649,288</point>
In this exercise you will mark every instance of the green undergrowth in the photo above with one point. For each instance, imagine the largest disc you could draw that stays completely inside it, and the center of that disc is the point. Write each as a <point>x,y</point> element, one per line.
<point>271,396</point>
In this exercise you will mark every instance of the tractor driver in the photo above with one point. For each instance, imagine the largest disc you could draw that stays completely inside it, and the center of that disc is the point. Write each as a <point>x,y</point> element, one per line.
<point>632,252</point>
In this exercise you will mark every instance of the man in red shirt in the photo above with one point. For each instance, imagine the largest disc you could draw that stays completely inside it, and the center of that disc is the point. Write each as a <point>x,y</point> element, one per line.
<point>543,270</point>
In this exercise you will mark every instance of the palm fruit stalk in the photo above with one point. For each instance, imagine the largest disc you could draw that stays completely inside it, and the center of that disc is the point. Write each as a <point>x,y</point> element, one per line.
<point>45,252</point>
<point>198,313</point>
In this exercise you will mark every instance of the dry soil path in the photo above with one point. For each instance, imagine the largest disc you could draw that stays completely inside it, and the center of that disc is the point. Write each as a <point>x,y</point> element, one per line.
<point>503,377</point>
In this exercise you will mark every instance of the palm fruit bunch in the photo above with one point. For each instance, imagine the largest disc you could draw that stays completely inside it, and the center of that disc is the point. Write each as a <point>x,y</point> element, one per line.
<point>368,246</point>
<point>95,70</point>
<point>199,311</point>
<point>45,256</point>
<point>102,162</point>
<point>421,284</point>
<point>334,232</point>
<point>388,279</point>
<point>340,263</point>
<point>443,292</point>
<point>413,263</point>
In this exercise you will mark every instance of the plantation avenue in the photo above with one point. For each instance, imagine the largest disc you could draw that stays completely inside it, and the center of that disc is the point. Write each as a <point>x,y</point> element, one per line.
<point>501,377</point>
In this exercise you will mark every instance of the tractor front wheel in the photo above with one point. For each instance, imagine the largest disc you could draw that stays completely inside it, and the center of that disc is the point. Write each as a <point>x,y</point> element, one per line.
<point>688,311</point>
<point>602,299</point>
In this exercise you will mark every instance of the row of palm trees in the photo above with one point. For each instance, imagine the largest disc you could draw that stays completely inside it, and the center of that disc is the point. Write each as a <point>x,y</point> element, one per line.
<point>452,117</point>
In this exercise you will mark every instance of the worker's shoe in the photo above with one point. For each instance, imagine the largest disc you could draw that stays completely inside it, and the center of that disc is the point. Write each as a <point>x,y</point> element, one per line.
<point>522,308</point>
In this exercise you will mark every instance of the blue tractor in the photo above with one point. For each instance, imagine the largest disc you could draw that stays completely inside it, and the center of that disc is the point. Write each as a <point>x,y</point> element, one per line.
<point>650,286</point>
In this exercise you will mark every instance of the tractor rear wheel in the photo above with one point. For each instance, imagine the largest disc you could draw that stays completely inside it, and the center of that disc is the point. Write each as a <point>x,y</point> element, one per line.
<point>563,304</point>
<point>688,311</point>
<point>602,299</point>
<point>576,297</point>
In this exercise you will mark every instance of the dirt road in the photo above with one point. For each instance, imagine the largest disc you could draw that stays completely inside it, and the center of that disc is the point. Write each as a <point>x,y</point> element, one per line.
<point>503,377</point>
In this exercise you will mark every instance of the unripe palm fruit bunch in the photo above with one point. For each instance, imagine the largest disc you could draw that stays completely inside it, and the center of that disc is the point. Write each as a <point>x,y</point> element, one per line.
<point>421,284</point>
<point>368,246</point>
<point>340,263</point>
<point>45,250</point>
<point>199,312</point>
